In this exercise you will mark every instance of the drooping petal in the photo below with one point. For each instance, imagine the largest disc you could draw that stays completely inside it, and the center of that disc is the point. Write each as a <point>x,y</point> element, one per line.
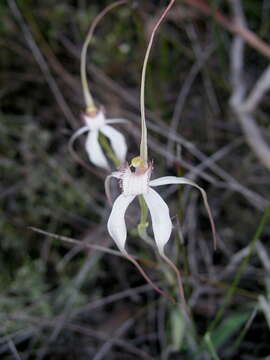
<point>77,134</point>
<point>161,221</point>
<point>94,150</point>
<point>166,180</point>
<point>115,174</point>
<point>116,223</point>
<point>116,121</point>
<point>117,140</point>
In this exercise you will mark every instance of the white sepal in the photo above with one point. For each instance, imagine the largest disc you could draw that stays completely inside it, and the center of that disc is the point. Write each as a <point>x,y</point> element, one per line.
<point>115,174</point>
<point>94,150</point>
<point>117,140</point>
<point>170,180</point>
<point>116,223</point>
<point>116,121</point>
<point>77,134</point>
<point>161,221</point>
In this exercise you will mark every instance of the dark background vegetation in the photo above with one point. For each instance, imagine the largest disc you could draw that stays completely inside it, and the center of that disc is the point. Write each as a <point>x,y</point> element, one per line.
<point>65,301</point>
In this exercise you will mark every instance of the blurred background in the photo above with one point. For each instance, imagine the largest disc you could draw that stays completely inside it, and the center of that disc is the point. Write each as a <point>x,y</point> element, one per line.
<point>63,299</point>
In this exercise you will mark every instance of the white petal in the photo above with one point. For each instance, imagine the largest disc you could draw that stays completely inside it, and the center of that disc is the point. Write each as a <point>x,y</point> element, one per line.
<point>166,180</point>
<point>78,133</point>
<point>95,122</point>
<point>161,221</point>
<point>116,223</point>
<point>117,140</point>
<point>170,180</point>
<point>115,174</point>
<point>94,150</point>
<point>116,121</point>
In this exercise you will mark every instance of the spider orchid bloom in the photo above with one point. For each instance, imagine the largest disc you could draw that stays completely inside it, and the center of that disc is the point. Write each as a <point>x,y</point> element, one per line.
<point>94,118</point>
<point>95,123</point>
<point>137,182</point>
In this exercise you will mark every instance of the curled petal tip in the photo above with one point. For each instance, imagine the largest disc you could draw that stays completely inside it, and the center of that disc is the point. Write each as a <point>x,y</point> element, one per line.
<point>170,180</point>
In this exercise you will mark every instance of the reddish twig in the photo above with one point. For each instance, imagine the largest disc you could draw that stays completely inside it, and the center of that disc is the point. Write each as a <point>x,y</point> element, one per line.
<point>249,36</point>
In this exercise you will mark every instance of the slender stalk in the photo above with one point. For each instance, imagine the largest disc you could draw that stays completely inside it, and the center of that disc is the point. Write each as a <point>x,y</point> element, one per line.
<point>210,345</point>
<point>143,221</point>
<point>108,149</point>
<point>86,92</point>
<point>143,146</point>
<point>146,277</point>
<point>183,307</point>
<point>179,281</point>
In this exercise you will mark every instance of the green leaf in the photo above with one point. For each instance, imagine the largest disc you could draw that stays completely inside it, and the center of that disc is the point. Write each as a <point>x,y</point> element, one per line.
<point>177,327</point>
<point>227,328</point>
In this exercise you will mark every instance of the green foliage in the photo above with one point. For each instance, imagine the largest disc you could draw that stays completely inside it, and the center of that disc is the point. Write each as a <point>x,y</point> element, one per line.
<point>228,328</point>
<point>45,281</point>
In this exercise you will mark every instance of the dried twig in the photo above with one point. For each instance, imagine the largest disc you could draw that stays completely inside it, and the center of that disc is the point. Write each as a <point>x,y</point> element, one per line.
<point>241,107</point>
<point>42,63</point>
<point>265,307</point>
<point>252,39</point>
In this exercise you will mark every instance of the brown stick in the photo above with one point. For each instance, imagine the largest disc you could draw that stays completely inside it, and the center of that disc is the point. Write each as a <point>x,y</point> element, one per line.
<point>249,36</point>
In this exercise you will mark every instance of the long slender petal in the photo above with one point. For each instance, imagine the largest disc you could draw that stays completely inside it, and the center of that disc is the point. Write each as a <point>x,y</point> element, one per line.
<point>117,140</point>
<point>116,223</point>
<point>78,133</point>
<point>116,121</point>
<point>115,174</point>
<point>166,180</point>
<point>161,221</point>
<point>94,150</point>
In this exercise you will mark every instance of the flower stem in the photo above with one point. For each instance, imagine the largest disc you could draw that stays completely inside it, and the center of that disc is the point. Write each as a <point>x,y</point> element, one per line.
<point>86,92</point>
<point>146,277</point>
<point>183,306</point>
<point>108,149</point>
<point>144,215</point>
<point>143,146</point>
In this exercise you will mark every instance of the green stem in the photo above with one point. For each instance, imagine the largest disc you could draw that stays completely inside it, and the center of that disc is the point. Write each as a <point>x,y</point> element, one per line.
<point>210,345</point>
<point>143,146</point>
<point>110,153</point>
<point>86,92</point>
<point>144,215</point>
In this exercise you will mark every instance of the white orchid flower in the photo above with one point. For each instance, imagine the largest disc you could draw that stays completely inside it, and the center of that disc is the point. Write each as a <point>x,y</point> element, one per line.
<point>138,182</point>
<point>135,180</point>
<point>94,118</point>
<point>95,123</point>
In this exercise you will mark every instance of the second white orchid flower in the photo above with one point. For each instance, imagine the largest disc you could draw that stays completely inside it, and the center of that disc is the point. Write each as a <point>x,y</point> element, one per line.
<point>96,123</point>
<point>94,118</point>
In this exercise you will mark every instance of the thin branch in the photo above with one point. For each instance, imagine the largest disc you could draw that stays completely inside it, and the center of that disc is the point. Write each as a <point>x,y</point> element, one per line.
<point>265,307</point>
<point>252,39</point>
<point>13,350</point>
<point>241,108</point>
<point>258,91</point>
<point>42,63</point>
<point>183,94</point>
<point>143,146</point>
<point>76,242</point>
